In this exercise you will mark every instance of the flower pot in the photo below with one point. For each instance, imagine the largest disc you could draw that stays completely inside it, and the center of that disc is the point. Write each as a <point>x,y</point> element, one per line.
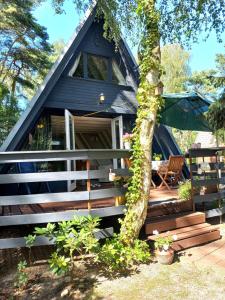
<point>165,257</point>
<point>127,145</point>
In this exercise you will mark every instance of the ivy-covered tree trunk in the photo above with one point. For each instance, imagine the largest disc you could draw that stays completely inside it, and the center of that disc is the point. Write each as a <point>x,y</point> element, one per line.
<point>149,102</point>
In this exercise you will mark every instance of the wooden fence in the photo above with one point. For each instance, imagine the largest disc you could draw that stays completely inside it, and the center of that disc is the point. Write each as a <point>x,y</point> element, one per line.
<point>87,195</point>
<point>207,170</point>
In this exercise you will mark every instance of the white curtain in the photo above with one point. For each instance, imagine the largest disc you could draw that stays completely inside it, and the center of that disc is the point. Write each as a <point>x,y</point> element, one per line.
<point>71,72</point>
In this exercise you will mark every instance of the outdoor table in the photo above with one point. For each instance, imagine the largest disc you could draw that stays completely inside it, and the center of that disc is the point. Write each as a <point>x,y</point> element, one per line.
<point>155,166</point>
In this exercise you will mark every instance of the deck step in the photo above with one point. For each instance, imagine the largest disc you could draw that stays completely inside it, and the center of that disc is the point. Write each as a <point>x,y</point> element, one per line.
<point>173,222</point>
<point>191,235</point>
<point>168,207</point>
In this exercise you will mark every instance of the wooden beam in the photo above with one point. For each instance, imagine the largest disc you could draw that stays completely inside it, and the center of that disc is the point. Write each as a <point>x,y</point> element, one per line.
<point>209,197</point>
<point>43,241</point>
<point>59,176</point>
<point>32,156</point>
<point>42,218</point>
<point>60,197</point>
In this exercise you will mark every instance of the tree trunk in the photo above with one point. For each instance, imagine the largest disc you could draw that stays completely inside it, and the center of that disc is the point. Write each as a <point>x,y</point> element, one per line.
<point>149,102</point>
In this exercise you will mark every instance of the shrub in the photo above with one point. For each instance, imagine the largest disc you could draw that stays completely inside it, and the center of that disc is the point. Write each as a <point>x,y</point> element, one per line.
<point>72,239</point>
<point>118,256</point>
<point>75,240</point>
<point>184,190</point>
<point>21,275</point>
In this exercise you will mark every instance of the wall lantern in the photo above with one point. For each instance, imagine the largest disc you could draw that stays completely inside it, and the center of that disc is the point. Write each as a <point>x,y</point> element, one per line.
<point>101,98</point>
<point>40,126</point>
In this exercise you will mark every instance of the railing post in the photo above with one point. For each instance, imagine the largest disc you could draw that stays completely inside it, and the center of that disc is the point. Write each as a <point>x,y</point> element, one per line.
<point>88,167</point>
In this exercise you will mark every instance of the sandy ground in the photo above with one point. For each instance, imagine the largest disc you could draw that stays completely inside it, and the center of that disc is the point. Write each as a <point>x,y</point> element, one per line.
<point>196,274</point>
<point>182,280</point>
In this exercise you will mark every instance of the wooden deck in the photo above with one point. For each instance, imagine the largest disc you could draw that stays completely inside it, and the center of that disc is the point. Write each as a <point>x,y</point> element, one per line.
<point>163,194</point>
<point>54,207</point>
<point>160,196</point>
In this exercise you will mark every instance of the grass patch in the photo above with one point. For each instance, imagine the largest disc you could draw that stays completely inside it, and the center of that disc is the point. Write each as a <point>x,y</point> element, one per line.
<point>166,282</point>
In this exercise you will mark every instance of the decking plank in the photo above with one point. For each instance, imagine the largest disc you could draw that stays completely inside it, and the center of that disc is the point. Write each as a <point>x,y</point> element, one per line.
<point>196,240</point>
<point>187,234</point>
<point>59,216</point>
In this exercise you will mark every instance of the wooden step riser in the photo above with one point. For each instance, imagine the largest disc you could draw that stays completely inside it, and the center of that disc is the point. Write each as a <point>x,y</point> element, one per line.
<point>188,234</point>
<point>181,230</point>
<point>196,240</point>
<point>165,225</point>
<point>170,208</point>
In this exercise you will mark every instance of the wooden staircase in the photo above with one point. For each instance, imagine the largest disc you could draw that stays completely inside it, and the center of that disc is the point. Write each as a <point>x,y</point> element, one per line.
<point>190,228</point>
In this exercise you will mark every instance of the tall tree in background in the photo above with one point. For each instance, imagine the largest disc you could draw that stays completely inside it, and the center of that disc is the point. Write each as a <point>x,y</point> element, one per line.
<point>210,81</point>
<point>176,72</point>
<point>57,47</point>
<point>24,51</point>
<point>23,43</point>
<point>176,69</point>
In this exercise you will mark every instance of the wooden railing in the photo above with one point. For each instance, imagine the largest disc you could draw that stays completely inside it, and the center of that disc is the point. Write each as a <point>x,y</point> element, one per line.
<point>87,195</point>
<point>208,185</point>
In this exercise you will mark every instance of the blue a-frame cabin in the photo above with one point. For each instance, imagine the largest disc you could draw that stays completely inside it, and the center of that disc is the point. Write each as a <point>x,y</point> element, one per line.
<point>79,114</point>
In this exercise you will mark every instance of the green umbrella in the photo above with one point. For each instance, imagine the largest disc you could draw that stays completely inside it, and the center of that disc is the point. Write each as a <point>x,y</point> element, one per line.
<point>185,111</point>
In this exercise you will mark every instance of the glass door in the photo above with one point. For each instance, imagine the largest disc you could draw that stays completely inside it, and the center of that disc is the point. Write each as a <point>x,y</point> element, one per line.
<point>117,140</point>
<point>70,145</point>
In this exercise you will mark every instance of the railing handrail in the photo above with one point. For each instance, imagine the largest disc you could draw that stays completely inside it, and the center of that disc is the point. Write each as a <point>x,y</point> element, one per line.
<point>61,155</point>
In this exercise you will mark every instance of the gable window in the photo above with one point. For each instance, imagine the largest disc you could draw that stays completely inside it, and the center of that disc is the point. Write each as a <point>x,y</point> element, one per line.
<point>97,67</point>
<point>78,67</point>
<point>117,76</point>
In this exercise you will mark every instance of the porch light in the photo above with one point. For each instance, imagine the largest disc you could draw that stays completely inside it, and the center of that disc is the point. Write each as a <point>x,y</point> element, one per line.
<point>101,98</point>
<point>40,126</point>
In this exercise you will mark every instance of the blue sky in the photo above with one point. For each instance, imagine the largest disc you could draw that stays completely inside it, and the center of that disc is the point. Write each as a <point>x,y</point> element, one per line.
<point>63,26</point>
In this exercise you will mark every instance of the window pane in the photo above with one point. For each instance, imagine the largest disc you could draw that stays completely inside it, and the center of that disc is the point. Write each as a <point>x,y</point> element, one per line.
<point>79,70</point>
<point>97,67</point>
<point>117,75</point>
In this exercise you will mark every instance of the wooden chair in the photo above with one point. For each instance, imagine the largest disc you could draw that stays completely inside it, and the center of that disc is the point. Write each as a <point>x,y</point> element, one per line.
<point>172,171</point>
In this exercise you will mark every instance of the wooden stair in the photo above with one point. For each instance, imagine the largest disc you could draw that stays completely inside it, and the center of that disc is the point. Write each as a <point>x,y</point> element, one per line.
<point>191,229</point>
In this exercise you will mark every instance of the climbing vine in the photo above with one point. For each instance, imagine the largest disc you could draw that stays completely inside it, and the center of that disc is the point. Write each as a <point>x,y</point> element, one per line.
<point>150,102</point>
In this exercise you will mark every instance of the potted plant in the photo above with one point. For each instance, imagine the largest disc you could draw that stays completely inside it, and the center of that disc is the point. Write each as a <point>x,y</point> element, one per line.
<point>127,137</point>
<point>157,156</point>
<point>163,251</point>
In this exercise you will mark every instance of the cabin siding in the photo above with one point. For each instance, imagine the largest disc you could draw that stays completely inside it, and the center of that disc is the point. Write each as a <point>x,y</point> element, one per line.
<point>83,95</point>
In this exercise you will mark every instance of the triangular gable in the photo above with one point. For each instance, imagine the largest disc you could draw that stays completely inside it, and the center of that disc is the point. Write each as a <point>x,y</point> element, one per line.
<point>37,101</point>
<point>35,106</point>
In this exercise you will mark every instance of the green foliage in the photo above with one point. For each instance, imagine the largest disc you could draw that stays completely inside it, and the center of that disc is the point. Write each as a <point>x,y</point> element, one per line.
<point>71,238</point>
<point>216,114</point>
<point>184,190</point>
<point>209,81</point>
<point>30,239</point>
<point>157,156</point>
<point>76,239</point>
<point>24,45</point>
<point>21,275</point>
<point>163,243</point>
<point>9,112</point>
<point>59,264</point>
<point>175,63</point>
<point>118,256</point>
<point>184,138</point>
